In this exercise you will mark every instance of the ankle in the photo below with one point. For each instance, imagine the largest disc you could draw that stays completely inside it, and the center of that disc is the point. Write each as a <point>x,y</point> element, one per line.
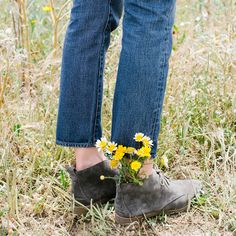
<point>147,168</point>
<point>87,157</point>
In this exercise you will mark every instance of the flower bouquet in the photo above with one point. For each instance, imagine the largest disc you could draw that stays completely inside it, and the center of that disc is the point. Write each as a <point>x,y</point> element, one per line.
<point>128,160</point>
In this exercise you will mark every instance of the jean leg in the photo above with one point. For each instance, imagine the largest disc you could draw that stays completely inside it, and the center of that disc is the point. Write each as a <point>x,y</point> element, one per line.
<point>143,70</point>
<point>81,83</point>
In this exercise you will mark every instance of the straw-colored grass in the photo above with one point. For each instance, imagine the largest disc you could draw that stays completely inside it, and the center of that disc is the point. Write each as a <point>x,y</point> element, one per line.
<point>197,134</point>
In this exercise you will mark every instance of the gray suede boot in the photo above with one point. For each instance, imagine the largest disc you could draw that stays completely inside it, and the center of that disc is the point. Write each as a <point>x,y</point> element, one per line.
<point>157,194</point>
<point>87,186</point>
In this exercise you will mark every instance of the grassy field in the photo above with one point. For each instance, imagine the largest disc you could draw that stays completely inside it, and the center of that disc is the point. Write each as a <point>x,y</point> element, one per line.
<point>197,134</point>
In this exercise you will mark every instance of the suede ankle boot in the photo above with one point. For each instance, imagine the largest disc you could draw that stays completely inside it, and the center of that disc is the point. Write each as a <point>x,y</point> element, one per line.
<point>87,185</point>
<point>157,194</point>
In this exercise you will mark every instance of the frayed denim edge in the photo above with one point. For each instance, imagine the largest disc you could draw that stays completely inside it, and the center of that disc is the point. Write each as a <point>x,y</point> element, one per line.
<point>153,155</point>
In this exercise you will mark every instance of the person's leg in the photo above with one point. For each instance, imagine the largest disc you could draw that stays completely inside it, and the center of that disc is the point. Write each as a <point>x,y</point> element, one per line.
<point>138,101</point>
<point>142,72</point>
<point>81,83</point>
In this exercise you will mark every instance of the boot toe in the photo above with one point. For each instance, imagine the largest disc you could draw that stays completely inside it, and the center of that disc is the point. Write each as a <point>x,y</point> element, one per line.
<point>189,187</point>
<point>197,186</point>
<point>186,190</point>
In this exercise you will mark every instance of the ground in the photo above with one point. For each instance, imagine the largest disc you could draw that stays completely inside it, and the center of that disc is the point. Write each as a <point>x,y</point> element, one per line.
<point>197,133</point>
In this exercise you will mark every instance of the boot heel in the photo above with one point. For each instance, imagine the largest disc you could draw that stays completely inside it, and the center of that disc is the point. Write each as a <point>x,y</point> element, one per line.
<point>80,210</point>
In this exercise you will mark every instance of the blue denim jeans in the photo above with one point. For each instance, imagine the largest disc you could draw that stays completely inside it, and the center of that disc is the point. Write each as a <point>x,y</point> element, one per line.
<point>142,72</point>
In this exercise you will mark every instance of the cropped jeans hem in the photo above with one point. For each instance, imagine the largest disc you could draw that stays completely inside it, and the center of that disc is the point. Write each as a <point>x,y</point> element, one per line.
<point>71,144</point>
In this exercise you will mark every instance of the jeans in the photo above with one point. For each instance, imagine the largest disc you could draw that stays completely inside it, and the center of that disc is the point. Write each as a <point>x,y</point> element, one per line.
<point>142,71</point>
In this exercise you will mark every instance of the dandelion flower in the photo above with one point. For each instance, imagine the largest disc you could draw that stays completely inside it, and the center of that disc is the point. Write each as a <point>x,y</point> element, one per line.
<point>118,155</point>
<point>138,137</point>
<point>135,165</point>
<point>121,149</point>
<point>147,151</point>
<point>47,8</point>
<point>114,164</point>
<point>144,152</point>
<point>101,144</point>
<point>139,152</point>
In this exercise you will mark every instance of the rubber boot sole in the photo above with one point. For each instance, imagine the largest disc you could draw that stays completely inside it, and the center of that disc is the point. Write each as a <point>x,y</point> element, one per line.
<point>127,220</point>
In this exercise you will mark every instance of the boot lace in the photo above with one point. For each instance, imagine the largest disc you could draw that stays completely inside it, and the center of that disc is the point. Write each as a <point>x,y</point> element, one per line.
<point>164,180</point>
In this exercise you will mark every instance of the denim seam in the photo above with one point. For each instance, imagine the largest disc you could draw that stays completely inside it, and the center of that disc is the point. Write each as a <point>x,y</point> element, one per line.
<point>154,126</point>
<point>101,59</point>
<point>157,110</point>
<point>71,144</point>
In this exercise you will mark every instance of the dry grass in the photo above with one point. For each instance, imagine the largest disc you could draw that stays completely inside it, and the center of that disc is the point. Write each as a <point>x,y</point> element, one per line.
<point>197,136</point>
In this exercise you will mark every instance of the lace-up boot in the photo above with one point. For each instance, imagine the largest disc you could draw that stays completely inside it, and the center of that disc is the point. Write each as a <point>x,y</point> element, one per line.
<point>157,194</point>
<point>87,186</point>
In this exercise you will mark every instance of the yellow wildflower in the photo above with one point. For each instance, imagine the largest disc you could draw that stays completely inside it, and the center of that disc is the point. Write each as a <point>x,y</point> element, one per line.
<point>120,149</point>
<point>47,8</point>
<point>147,151</point>
<point>139,152</point>
<point>101,144</point>
<point>118,155</point>
<point>147,141</point>
<point>102,177</point>
<point>135,165</point>
<point>138,137</point>
<point>114,164</point>
<point>144,152</point>
<point>111,147</point>
<point>130,150</point>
